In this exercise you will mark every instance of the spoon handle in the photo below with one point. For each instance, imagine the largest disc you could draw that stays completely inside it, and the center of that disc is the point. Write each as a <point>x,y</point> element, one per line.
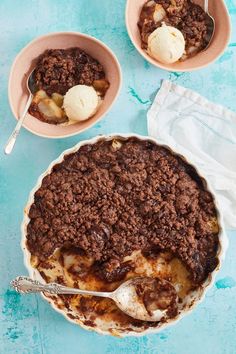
<point>26,285</point>
<point>11,141</point>
<point>206,6</point>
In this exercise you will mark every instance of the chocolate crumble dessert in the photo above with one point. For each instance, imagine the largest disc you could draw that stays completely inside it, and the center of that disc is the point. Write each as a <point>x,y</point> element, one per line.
<point>157,294</point>
<point>58,70</point>
<point>184,15</point>
<point>118,209</point>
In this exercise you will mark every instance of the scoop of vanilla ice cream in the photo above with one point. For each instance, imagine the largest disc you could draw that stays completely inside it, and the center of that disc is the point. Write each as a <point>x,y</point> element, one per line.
<point>166,44</point>
<point>80,102</point>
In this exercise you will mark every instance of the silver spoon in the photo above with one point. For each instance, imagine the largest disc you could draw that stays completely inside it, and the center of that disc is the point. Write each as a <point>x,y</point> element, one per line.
<point>125,296</point>
<point>210,24</point>
<point>31,89</point>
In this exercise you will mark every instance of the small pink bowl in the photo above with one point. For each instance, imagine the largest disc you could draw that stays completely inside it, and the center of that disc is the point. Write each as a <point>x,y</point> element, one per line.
<point>219,12</point>
<point>24,63</point>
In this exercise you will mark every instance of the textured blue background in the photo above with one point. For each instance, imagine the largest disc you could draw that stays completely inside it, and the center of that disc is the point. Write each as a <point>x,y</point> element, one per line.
<point>28,324</point>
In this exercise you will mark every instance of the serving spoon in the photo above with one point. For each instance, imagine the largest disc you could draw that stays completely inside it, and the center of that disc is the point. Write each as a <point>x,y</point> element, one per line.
<point>210,24</point>
<point>31,90</point>
<point>125,296</point>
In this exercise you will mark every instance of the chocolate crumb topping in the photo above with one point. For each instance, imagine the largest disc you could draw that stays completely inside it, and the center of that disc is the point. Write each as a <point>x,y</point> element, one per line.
<point>110,201</point>
<point>57,70</point>
<point>112,270</point>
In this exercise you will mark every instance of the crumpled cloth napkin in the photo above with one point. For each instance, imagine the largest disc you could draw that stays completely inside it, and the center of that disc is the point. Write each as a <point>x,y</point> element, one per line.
<point>205,133</point>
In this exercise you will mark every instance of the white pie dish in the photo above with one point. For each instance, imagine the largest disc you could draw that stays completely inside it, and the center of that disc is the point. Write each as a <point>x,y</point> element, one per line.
<point>193,299</point>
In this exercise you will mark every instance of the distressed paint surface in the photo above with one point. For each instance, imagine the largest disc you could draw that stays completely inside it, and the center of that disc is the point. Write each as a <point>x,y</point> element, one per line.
<point>28,324</point>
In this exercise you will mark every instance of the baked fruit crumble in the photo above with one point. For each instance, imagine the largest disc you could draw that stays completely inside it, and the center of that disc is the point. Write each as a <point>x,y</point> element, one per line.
<point>56,72</point>
<point>118,209</point>
<point>184,15</point>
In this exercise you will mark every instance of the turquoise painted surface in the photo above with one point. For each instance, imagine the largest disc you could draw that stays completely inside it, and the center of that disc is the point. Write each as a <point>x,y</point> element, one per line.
<point>28,324</point>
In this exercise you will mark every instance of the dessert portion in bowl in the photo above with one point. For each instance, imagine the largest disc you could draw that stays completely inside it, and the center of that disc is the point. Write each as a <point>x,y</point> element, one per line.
<point>173,30</point>
<point>116,209</point>
<point>70,86</point>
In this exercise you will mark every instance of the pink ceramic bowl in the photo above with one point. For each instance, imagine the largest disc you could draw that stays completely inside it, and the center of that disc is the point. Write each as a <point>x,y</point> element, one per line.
<point>218,44</point>
<point>24,63</point>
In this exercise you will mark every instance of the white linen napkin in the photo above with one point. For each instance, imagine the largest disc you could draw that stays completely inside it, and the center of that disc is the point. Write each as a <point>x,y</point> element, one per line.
<point>205,133</point>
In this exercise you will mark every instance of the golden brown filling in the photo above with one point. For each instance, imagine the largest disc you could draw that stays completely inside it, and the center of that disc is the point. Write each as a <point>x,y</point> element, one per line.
<point>71,267</point>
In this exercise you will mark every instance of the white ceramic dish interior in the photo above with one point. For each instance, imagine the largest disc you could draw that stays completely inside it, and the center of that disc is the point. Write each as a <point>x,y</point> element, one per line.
<point>195,297</point>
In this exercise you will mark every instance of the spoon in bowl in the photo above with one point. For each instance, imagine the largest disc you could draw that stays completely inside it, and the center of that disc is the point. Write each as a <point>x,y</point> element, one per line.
<point>12,139</point>
<point>210,24</point>
<point>127,296</point>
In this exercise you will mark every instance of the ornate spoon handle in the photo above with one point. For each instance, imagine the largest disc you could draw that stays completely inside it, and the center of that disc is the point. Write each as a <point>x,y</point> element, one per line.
<point>26,285</point>
<point>12,139</point>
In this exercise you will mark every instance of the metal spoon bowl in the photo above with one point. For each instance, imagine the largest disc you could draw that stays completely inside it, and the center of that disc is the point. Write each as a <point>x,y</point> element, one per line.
<point>125,296</point>
<point>210,24</point>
